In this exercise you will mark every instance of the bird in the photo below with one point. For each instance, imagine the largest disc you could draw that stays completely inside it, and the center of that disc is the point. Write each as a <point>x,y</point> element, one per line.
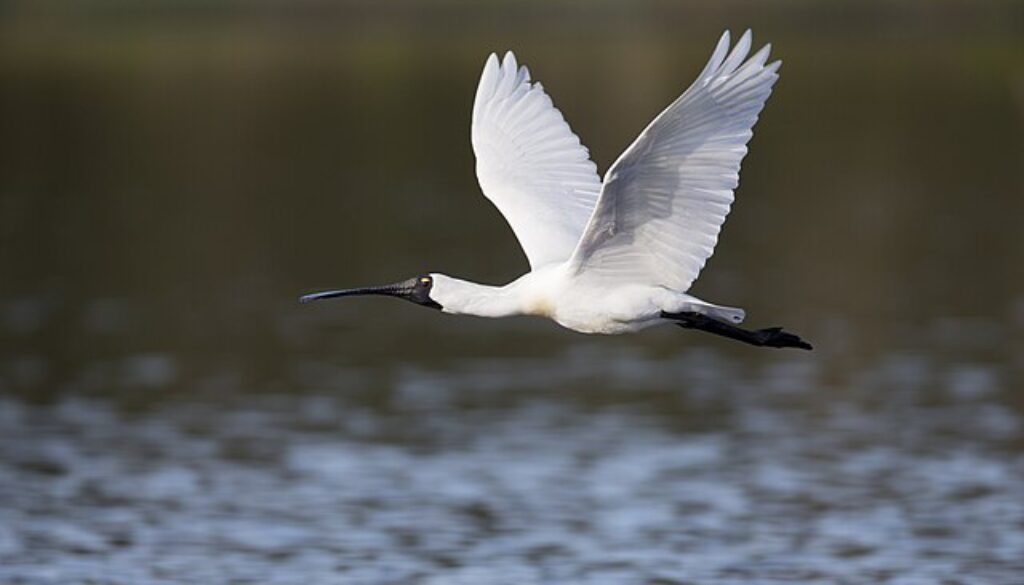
<point>616,255</point>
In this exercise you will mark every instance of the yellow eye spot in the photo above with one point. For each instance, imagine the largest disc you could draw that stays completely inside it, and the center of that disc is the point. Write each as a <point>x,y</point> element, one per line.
<point>424,281</point>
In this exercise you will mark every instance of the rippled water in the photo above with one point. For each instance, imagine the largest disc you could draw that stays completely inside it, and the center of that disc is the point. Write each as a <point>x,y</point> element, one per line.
<point>691,469</point>
<point>169,183</point>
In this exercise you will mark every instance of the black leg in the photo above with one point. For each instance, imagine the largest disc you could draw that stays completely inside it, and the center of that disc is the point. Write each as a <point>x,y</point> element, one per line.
<point>770,337</point>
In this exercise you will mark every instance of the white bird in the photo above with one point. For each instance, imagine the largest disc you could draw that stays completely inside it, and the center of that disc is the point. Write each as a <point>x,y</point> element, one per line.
<point>615,256</point>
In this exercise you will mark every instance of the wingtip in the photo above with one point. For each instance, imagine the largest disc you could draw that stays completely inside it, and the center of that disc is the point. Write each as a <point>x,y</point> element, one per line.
<point>488,82</point>
<point>717,56</point>
<point>524,74</point>
<point>509,61</point>
<point>743,45</point>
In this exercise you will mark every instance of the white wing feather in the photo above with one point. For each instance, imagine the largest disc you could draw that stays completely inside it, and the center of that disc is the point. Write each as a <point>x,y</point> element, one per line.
<point>530,164</point>
<point>666,197</point>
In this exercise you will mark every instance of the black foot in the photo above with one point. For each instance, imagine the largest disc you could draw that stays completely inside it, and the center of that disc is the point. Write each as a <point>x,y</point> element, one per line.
<point>777,337</point>
<point>770,337</point>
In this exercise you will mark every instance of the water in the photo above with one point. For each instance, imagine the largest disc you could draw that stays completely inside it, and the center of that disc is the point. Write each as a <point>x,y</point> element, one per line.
<point>470,476</point>
<point>170,414</point>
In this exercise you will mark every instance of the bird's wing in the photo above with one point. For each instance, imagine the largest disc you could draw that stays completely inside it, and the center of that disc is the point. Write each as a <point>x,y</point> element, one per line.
<point>530,164</point>
<point>666,197</point>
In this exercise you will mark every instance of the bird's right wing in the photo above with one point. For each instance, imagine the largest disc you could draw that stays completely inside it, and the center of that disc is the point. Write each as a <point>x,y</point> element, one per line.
<point>666,197</point>
<point>530,164</point>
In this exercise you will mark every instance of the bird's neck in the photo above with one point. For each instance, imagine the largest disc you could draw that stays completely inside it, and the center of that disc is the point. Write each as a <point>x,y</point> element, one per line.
<point>469,298</point>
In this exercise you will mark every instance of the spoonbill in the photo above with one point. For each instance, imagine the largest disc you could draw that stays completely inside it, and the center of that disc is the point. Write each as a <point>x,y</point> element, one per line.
<point>620,255</point>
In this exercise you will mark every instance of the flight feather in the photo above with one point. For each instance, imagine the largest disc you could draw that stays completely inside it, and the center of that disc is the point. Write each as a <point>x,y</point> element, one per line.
<point>530,164</point>
<point>664,200</point>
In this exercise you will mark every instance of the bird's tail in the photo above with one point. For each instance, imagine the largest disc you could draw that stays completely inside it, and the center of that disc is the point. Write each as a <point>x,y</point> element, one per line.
<point>685,303</point>
<point>730,314</point>
<point>722,313</point>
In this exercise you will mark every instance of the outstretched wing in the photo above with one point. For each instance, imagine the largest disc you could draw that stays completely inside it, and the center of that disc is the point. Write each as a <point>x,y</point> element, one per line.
<point>666,197</point>
<point>530,164</point>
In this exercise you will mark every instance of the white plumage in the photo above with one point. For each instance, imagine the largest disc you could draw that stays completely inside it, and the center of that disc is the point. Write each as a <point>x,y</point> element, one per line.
<point>664,200</point>
<point>617,255</point>
<point>530,164</point>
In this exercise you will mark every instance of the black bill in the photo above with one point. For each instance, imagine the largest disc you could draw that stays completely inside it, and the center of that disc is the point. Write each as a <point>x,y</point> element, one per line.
<point>416,290</point>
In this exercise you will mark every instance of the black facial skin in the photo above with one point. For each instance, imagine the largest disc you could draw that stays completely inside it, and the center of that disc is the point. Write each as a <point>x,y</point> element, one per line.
<point>421,292</point>
<point>416,290</point>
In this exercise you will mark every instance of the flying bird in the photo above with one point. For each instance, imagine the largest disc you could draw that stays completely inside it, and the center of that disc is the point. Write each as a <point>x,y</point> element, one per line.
<point>618,255</point>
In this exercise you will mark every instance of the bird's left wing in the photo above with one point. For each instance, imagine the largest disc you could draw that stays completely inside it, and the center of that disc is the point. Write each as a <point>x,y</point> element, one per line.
<point>666,197</point>
<point>530,164</point>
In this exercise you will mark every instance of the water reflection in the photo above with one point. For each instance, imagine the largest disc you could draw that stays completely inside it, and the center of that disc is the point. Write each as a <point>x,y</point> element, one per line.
<point>168,413</point>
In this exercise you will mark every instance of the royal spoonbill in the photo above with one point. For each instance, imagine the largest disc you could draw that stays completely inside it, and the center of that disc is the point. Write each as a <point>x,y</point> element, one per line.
<point>615,256</point>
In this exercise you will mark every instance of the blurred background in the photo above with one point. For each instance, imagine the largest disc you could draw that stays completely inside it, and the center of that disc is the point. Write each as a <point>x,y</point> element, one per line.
<point>174,174</point>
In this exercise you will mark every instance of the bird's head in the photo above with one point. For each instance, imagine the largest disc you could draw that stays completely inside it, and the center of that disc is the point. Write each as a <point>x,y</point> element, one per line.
<point>419,289</point>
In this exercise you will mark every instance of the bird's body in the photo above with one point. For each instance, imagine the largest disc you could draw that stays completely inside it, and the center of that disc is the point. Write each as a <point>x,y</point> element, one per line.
<point>554,292</point>
<point>618,255</point>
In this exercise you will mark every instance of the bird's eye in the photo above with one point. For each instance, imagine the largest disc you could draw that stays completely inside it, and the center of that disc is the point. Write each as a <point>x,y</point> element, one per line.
<point>425,281</point>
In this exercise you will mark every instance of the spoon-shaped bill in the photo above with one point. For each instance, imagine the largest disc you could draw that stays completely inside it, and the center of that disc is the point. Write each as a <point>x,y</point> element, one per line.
<point>416,290</point>
<point>399,289</point>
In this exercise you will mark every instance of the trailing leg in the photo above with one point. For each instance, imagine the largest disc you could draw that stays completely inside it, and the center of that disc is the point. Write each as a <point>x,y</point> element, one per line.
<point>770,337</point>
